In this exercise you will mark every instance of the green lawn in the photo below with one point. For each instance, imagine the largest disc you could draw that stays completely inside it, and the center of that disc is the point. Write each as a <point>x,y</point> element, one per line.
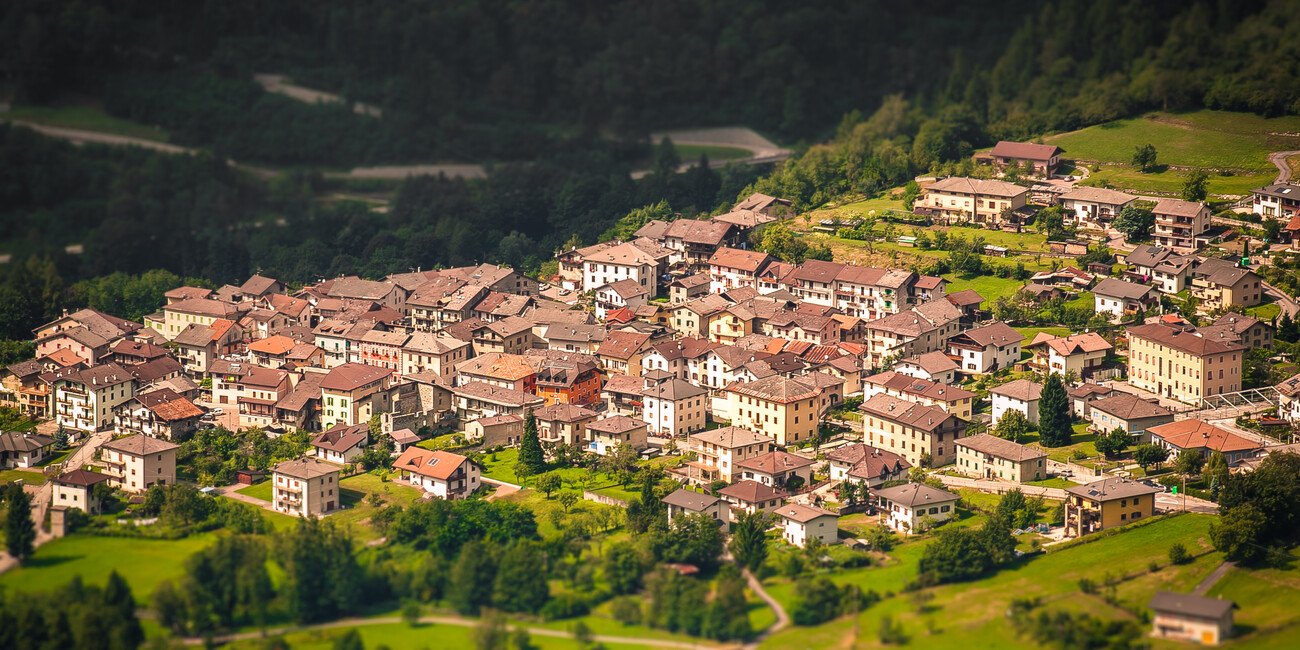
<point>1214,139</point>
<point>880,204</point>
<point>1084,301</point>
<point>143,562</point>
<point>988,286</point>
<point>1031,332</point>
<point>972,615</point>
<point>260,490</point>
<point>89,118</point>
<point>29,477</point>
<point>400,636</point>
<point>1081,440</point>
<point>1170,181</point>
<point>1267,311</point>
<point>1053,483</point>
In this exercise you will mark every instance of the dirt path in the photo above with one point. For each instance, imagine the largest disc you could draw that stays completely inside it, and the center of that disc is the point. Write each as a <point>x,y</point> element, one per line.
<point>447,620</point>
<point>782,618</point>
<point>79,136</point>
<point>1278,158</point>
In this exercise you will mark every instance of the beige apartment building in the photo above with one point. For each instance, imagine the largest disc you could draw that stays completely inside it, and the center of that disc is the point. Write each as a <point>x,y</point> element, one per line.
<point>305,487</point>
<point>718,451</point>
<point>136,462</point>
<point>960,199</point>
<point>985,456</point>
<point>1179,363</point>
<point>783,409</point>
<point>911,430</point>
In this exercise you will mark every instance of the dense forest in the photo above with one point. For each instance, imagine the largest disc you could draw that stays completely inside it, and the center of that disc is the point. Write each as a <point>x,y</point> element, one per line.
<point>570,87</point>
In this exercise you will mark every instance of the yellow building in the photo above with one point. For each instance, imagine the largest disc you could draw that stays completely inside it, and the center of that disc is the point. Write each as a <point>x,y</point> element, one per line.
<point>912,430</point>
<point>985,456</point>
<point>1180,363</point>
<point>177,316</point>
<point>134,463</point>
<point>959,199</point>
<point>783,409</point>
<point>1105,504</point>
<point>1221,286</point>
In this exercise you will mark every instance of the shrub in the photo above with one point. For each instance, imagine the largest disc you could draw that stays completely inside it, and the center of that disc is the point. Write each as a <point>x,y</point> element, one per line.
<point>1178,554</point>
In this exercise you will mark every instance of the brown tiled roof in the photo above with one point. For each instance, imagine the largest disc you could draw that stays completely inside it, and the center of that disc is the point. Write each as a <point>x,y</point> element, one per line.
<point>564,413</point>
<point>1127,406</point>
<point>495,394</point>
<point>998,334</point>
<point>963,185</point>
<point>730,437</point>
<point>203,307</point>
<point>775,461</point>
<point>1116,288</point>
<point>1189,605</point>
<point>342,437</point>
<point>868,462</point>
<point>169,405</point>
<point>913,414</point>
<point>1178,207</point>
<point>140,445</point>
<point>744,260</point>
<point>912,494</point>
<point>498,365</point>
<point>81,478</point>
<point>353,375</point>
<point>277,345</point>
<point>1110,489</point>
<point>751,492</point>
<point>1025,150</point>
<point>1075,343</point>
<point>616,424</point>
<point>776,388</point>
<point>920,387</point>
<point>622,344</point>
<point>1000,448</point>
<point>1097,195</point>
<point>306,468</point>
<point>932,362</point>
<point>705,233</point>
<point>19,441</point>
<point>801,513</point>
<point>965,298</point>
<point>1021,389</point>
<point>690,500</point>
<point>1177,338</point>
<point>1195,434</point>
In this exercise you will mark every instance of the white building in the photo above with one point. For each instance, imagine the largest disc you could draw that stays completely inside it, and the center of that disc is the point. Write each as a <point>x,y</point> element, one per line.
<point>622,262</point>
<point>986,349</point>
<point>1095,206</point>
<point>732,268</point>
<point>800,523</point>
<point>84,399</point>
<point>1019,395</point>
<point>305,487</point>
<point>904,507</point>
<point>674,407</point>
<point>440,473</point>
<point>686,502</point>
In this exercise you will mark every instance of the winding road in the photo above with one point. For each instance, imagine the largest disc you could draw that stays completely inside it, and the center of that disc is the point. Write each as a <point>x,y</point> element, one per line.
<point>782,618</point>
<point>1278,158</point>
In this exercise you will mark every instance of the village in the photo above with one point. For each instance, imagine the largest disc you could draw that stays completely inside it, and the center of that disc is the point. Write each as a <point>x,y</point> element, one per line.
<point>841,402</point>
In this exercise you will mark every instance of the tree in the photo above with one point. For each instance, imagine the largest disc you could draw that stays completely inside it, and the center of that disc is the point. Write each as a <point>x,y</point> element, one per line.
<point>568,500</point>
<point>520,639</point>
<point>351,640</point>
<point>1136,223</point>
<point>1216,469</point>
<point>817,600</point>
<point>1196,187</point>
<point>1272,229</point>
<point>1239,532</point>
<point>1113,443</point>
<point>1146,455</point>
<point>548,483</point>
<point>520,584</point>
<point>490,633</point>
<point>1189,462</point>
<point>694,539</point>
<point>473,577</point>
<point>1273,491</point>
<point>1012,425</point>
<point>749,539</point>
<point>1178,554</point>
<point>1287,329</point>
<point>411,612</point>
<point>1054,413</point>
<point>623,568</point>
<point>1144,157</point>
<point>531,456</point>
<point>20,530</point>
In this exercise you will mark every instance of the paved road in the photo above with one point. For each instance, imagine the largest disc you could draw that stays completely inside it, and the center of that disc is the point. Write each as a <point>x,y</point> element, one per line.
<point>275,83</point>
<point>1169,501</point>
<point>1215,575</point>
<point>1278,158</point>
<point>448,620</point>
<point>1287,303</point>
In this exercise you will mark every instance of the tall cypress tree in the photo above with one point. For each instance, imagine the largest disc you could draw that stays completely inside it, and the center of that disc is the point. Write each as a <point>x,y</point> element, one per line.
<point>1054,413</point>
<point>530,447</point>
<point>20,531</point>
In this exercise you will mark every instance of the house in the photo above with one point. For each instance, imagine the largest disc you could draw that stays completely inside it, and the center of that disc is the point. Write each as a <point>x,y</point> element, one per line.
<point>342,443</point>
<point>272,351</point>
<point>1168,271</point>
<point>986,349</point>
<point>990,457</point>
<point>510,335</point>
<point>622,350</point>
<point>353,392</point>
<point>1280,201</point>
<point>935,366</point>
<point>694,319</point>
<point>1179,363</point>
<point>76,489</point>
<point>690,287</point>
<point>959,199</point>
<point>1067,278</point>
<point>621,262</point>
<point>605,435</point>
<point>1046,158</point>
<point>130,353</point>
<point>511,371</point>
<point>1205,438</point>
<point>953,399</point>
<point>305,487</point>
<point>478,399</point>
<point>402,438</point>
<point>917,432</point>
<point>1184,617</point>
<point>859,463</point>
<point>160,414</point>
<point>1120,298</point>
<point>568,382</point>
<point>1094,207</point>
<point>870,292</point>
<point>784,409</point>
<point>136,462</point>
<point>201,311</point>
<point>1128,412</point>
<point>624,294</point>
<point>24,448</point>
<point>386,294</point>
<point>924,328</point>
<point>1082,397</point>
<point>1083,354</point>
<point>777,469</point>
<point>258,391</point>
<point>87,333</point>
<point>22,389</point>
<point>1220,285</point>
<point>437,352</point>
<point>693,241</point>
<point>562,424</point>
<point>1017,395</point>
<point>622,395</point>
<point>1105,504</point>
<point>752,496</point>
<point>570,337</point>
<point>1179,223</point>
<point>84,398</point>
<point>1250,331</point>
<point>1288,406</point>
<point>801,524</point>
<point>718,451</point>
<point>506,430</point>
<point>687,502</point>
<point>796,325</point>
<point>440,473</point>
<point>912,507</point>
<point>673,407</point>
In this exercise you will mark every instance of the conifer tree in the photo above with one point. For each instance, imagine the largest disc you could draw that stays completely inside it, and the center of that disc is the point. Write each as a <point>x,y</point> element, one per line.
<point>530,447</point>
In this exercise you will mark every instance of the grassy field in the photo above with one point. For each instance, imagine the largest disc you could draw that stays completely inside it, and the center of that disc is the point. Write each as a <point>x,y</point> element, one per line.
<point>971,615</point>
<point>400,636</point>
<point>143,562</point>
<point>690,153</point>
<point>1267,311</point>
<point>988,286</point>
<point>1082,440</point>
<point>89,118</point>
<point>29,477</point>
<point>1211,139</point>
<point>1031,332</point>
<point>1170,181</point>
<point>260,490</point>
